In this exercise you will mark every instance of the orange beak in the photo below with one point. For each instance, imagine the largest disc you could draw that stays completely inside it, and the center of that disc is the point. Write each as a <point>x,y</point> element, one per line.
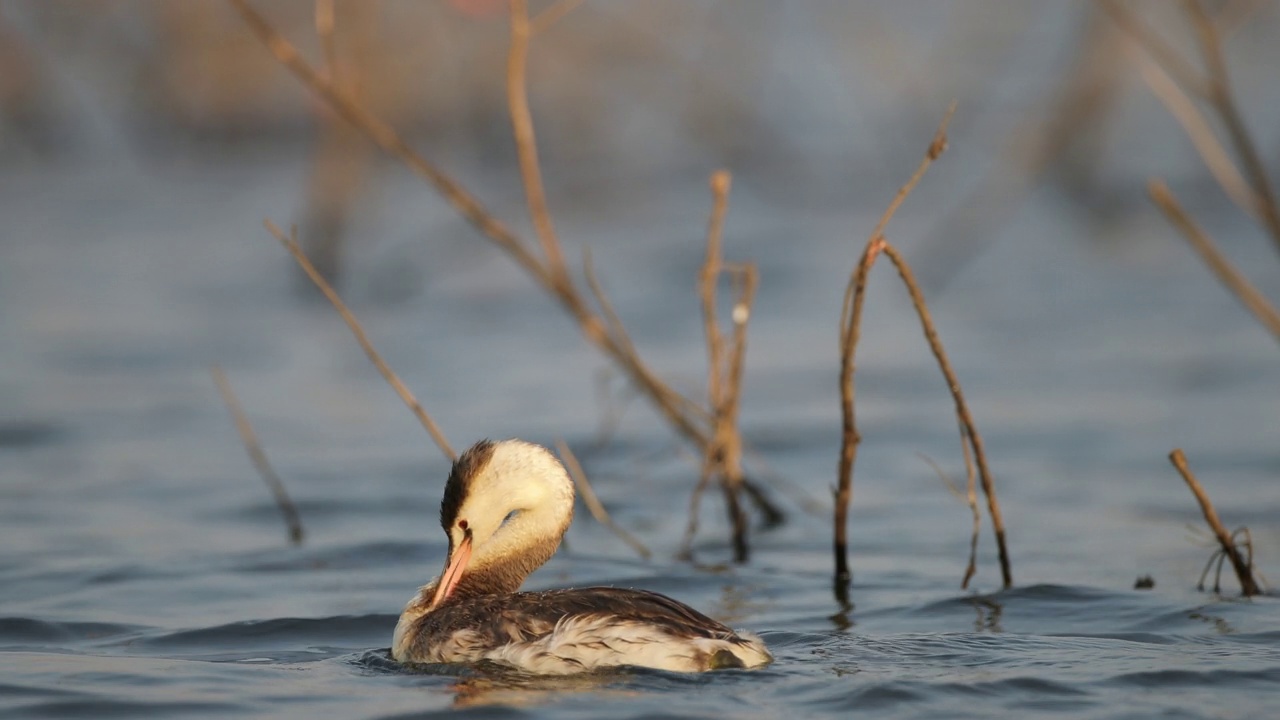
<point>453,570</point>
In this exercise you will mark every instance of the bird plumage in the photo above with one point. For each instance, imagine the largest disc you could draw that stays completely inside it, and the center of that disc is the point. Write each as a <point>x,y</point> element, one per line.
<point>505,508</point>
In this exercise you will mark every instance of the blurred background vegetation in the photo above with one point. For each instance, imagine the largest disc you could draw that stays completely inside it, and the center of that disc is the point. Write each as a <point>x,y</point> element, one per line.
<point>810,104</point>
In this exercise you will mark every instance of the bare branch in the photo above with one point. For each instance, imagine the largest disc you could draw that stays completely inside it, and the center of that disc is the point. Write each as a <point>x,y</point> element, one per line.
<point>593,503</point>
<point>971,497</point>
<point>386,138</point>
<point>288,511</point>
<point>612,321</point>
<point>388,374</point>
<point>1197,128</point>
<point>527,143</point>
<point>1249,296</point>
<point>1223,99</point>
<point>1248,586</point>
<point>968,429</point>
<point>721,182</point>
<point>1164,54</point>
<point>664,399</point>
<point>850,326</point>
<point>695,511</point>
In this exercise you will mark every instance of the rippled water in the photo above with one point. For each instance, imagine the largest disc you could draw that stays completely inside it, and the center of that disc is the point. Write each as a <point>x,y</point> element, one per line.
<point>144,570</point>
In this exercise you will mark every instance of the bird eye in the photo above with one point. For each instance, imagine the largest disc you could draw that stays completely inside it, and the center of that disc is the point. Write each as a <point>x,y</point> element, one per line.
<point>462,524</point>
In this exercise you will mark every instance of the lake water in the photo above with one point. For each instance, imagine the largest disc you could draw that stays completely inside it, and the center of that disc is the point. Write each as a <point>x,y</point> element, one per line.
<point>144,570</point>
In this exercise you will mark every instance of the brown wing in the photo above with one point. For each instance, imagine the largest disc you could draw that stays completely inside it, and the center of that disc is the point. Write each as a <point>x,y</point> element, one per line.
<point>501,619</point>
<point>626,605</point>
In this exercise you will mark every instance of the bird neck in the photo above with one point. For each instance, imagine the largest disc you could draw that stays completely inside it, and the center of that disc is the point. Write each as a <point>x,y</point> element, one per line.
<point>504,574</point>
<point>521,545</point>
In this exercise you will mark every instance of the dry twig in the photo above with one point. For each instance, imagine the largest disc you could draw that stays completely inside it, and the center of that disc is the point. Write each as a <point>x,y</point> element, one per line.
<point>1244,570</point>
<point>850,328</point>
<point>850,331</point>
<point>1213,86</point>
<point>968,431</point>
<point>527,143</point>
<point>1197,128</point>
<point>291,244</point>
<point>1164,53</point>
<point>288,511</point>
<point>687,418</point>
<point>1062,135</point>
<point>722,460</point>
<point>970,498</point>
<point>1222,98</point>
<point>386,138</point>
<point>589,498</point>
<point>1249,296</point>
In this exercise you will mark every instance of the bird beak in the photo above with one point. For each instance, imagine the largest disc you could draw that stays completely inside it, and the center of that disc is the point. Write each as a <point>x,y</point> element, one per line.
<point>453,570</point>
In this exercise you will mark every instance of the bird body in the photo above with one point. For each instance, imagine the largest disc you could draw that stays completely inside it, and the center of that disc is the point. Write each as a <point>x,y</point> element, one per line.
<point>506,506</point>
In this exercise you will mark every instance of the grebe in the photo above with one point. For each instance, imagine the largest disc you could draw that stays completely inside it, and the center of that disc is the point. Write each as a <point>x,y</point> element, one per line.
<point>506,507</point>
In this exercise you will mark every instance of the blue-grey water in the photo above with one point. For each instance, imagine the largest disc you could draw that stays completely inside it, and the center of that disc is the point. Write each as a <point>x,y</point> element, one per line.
<point>145,572</point>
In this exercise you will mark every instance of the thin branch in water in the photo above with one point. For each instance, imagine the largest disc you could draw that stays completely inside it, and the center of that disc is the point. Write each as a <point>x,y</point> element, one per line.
<point>589,498</point>
<point>291,244</point>
<point>616,331</point>
<point>1217,573</point>
<point>613,323</point>
<point>1223,99</point>
<point>663,398</point>
<point>386,138</point>
<point>1244,571</point>
<point>797,494</point>
<point>612,408</point>
<point>728,430</point>
<point>772,515</point>
<point>971,498</point>
<point>1197,128</point>
<point>943,475</point>
<point>721,182</point>
<point>1168,58</point>
<point>737,519</point>
<point>716,463</point>
<point>527,143</point>
<point>850,329</point>
<point>969,430</point>
<point>288,511</point>
<point>695,512</point>
<point>747,277</point>
<point>1213,86</point>
<point>695,423</point>
<point>722,457</point>
<point>1204,574</point>
<point>1246,545</point>
<point>937,146</point>
<point>1249,296</point>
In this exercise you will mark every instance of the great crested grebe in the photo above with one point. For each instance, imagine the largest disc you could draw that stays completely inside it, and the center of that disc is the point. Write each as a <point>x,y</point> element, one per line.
<point>506,506</point>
